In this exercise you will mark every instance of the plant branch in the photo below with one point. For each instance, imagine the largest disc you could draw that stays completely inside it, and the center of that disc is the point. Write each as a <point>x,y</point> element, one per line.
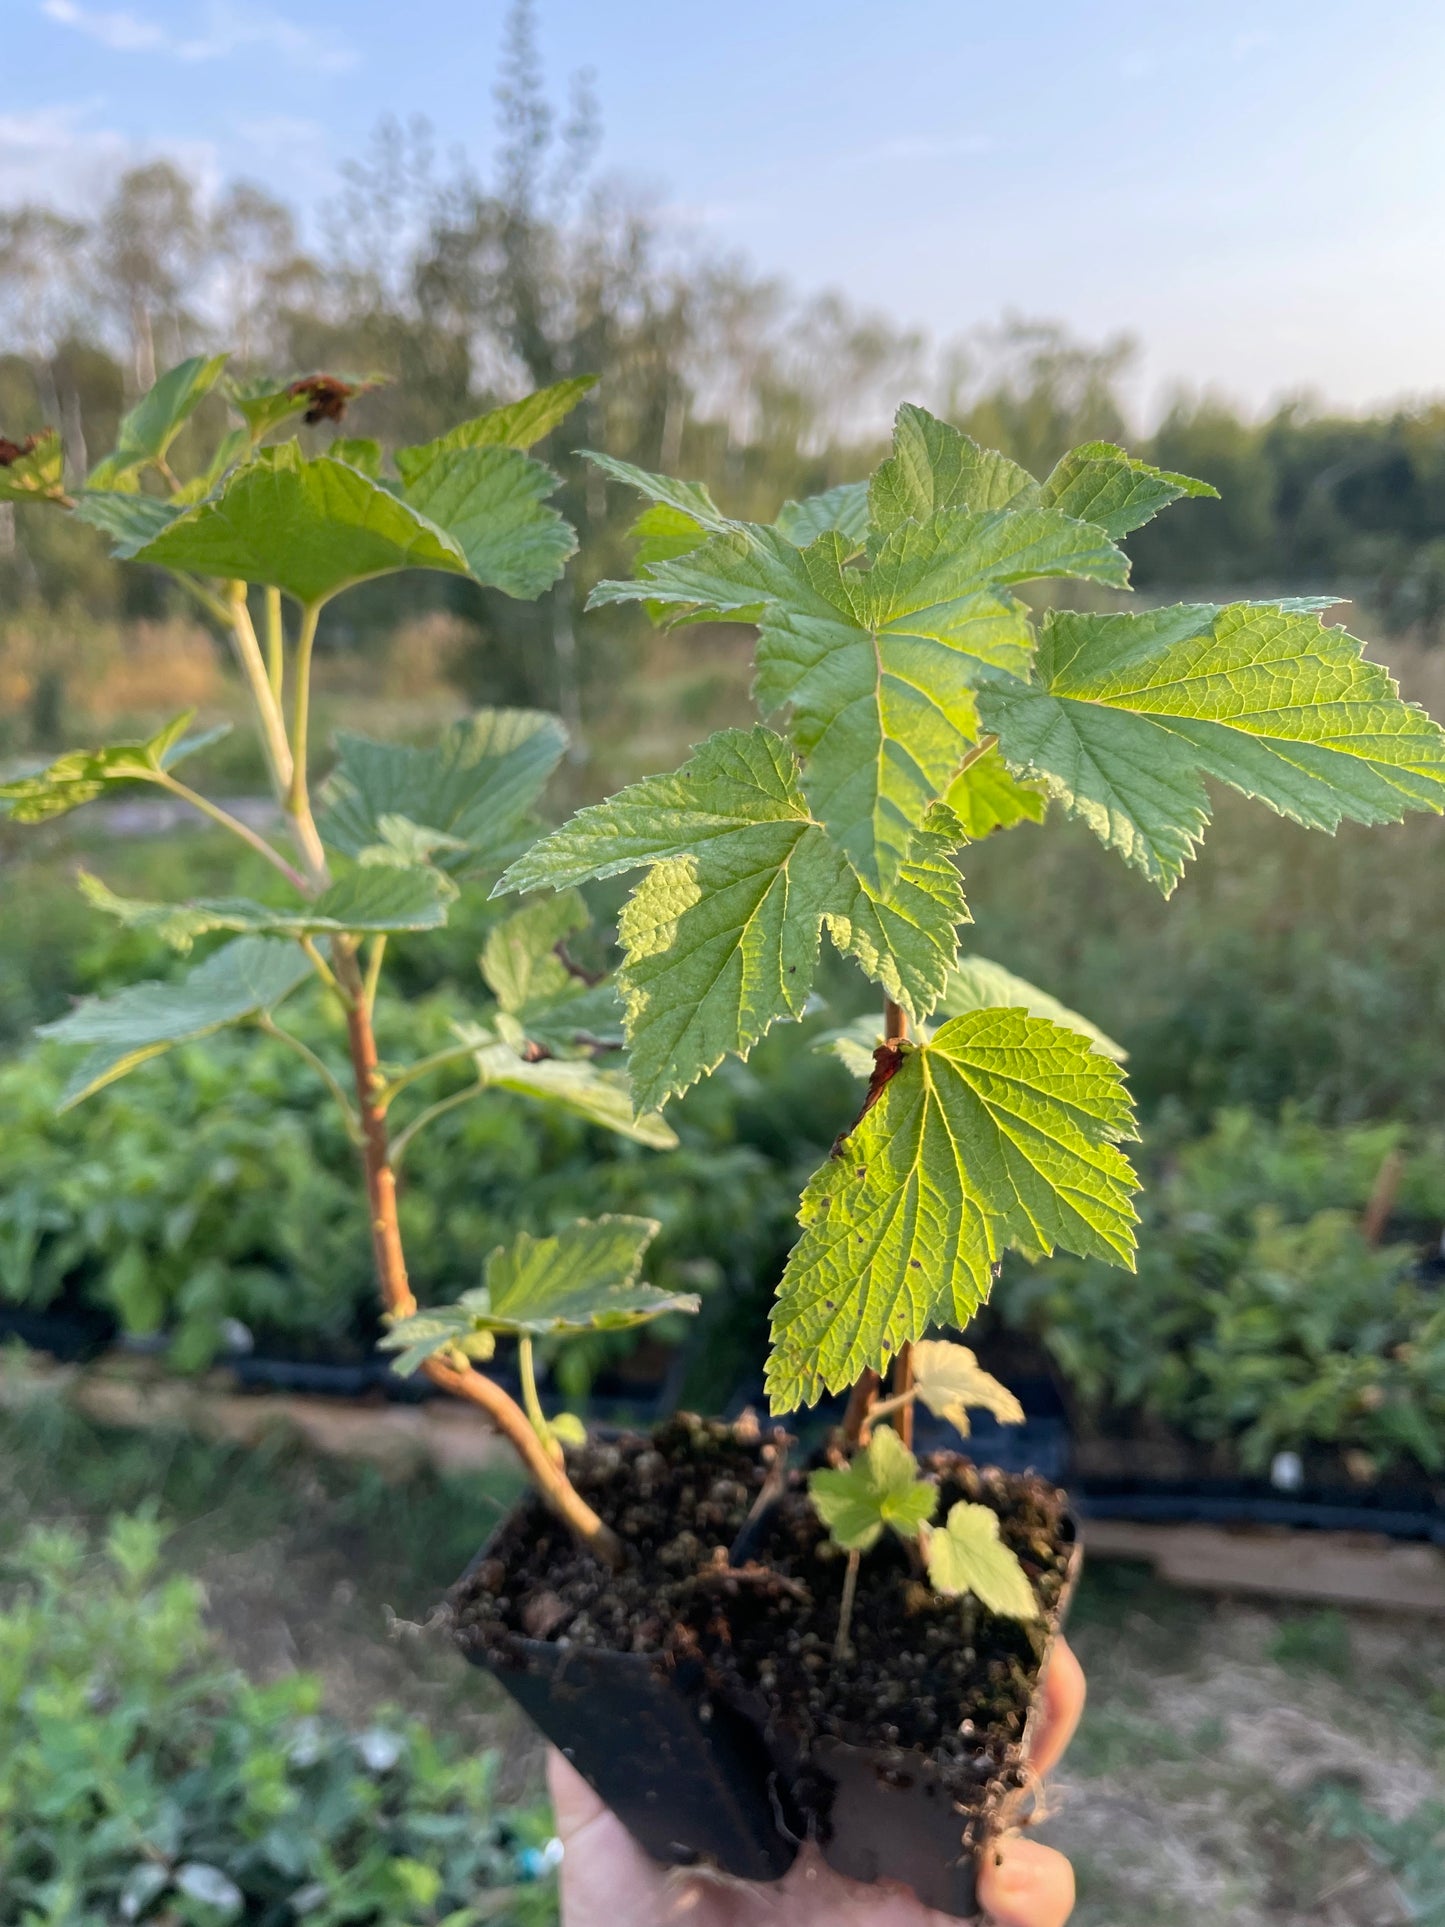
<point>324,971</point>
<point>885,1408</point>
<point>423,1067</point>
<point>845,1610</point>
<point>267,1023</point>
<point>275,643</point>
<point>298,792</point>
<point>527,1365</point>
<point>374,958</point>
<point>980,749</point>
<point>274,740</point>
<point>399,1301</point>
<point>236,827</point>
<point>860,1407</point>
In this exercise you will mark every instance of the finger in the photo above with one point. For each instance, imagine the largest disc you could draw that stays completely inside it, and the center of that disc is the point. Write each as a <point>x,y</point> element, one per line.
<point>1024,1884</point>
<point>577,1804</point>
<point>1060,1708</point>
<point>606,1877</point>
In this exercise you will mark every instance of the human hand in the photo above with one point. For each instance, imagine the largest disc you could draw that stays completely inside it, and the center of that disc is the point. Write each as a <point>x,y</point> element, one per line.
<point>608,1881</point>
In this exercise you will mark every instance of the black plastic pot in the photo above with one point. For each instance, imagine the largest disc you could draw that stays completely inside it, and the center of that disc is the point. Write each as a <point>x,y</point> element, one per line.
<point>666,1755</point>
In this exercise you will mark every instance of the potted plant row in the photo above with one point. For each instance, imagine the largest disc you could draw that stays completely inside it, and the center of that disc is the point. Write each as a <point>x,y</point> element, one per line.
<point>742,1647</point>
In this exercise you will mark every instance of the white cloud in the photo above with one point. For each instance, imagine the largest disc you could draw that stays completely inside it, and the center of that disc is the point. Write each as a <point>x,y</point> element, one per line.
<point>226,29</point>
<point>57,155</point>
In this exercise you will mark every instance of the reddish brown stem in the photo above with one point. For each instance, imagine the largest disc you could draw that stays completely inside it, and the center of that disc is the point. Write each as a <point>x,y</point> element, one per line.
<point>396,1292</point>
<point>860,1402</point>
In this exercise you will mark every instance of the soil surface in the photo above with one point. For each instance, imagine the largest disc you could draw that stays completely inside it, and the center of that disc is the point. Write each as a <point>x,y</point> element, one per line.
<point>940,1676</point>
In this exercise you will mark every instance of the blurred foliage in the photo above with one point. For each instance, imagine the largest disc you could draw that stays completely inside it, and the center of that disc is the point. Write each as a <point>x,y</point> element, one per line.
<point>142,1779</point>
<point>1261,1316</point>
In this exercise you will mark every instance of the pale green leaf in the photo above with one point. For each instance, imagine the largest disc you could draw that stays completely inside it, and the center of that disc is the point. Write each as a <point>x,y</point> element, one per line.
<point>146,433</point>
<point>935,466</point>
<point>722,936</point>
<point>131,521</point>
<point>691,499</point>
<point>477,785</point>
<point>1099,483</point>
<point>879,1487</point>
<point>949,1379</point>
<point>1128,714</point>
<point>661,533</point>
<point>844,508</point>
<point>81,775</point>
<point>365,903</point>
<point>572,1084</point>
<point>550,1001</point>
<point>966,1555</point>
<point>357,451</point>
<point>309,528</point>
<point>568,1429</point>
<point>445,1329</point>
<point>247,977</point>
<point>979,984</point>
<point>583,1278</point>
<point>518,425</point>
<point>492,502</point>
<point>264,404</point>
<point>32,470</point>
<point>986,796</point>
<point>1002,1130</point>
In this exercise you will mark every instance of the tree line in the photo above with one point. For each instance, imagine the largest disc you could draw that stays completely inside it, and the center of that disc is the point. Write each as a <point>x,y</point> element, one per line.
<point>464,290</point>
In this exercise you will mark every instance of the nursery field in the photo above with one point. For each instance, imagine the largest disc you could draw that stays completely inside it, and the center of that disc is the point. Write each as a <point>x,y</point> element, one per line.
<point>1241,1765</point>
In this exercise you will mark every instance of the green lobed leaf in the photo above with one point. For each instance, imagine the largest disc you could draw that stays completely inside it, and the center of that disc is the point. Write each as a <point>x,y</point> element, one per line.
<point>441,1328</point>
<point>547,1000</point>
<point>1128,714</point>
<point>879,1487</point>
<point>844,508</point>
<point>492,501</point>
<point>1099,483</point>
<point>250,975</point>
<point>1002,1130</point>
<point>309,528</point>
<point>573,1084</point>
<point>367,902</point>
<point>358,451</point>
<point>935,466</point>
<point>722,936</point>
<point>986,796</point>
<point>878,667</point>
<point>518,425</point>
<point>32,470</point>
<point>690,499</point>
<point>476,786</point>
<point>949,1379</point>
<point>966,1555</point>
<point>147,431</point>
<point>977,983</point>
<point>131,521</point>
<point>81,775</point>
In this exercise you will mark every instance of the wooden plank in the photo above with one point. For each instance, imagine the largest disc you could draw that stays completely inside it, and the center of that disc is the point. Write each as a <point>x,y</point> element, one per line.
<point>1335,1568</point>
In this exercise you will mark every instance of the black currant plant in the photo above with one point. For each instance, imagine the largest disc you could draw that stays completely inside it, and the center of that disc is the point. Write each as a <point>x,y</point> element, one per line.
<point>919,706</point>
<point>264,528</point>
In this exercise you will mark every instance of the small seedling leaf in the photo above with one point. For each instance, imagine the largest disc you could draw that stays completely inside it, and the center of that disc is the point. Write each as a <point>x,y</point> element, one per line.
<point>1128,714</point>
<point>1002,1130</point>
<point>966,1555</point>
<point>81,775</point>
<point>251,975</point>
<point>880,1487</point>
<point>949,1379</point>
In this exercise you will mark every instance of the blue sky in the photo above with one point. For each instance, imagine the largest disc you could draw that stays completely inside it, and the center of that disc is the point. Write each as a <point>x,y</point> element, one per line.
<point>1257,191</point>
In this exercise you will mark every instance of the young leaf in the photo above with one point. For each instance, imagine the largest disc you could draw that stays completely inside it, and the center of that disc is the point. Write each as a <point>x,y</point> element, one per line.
<point>1129,713</point>
<point>147,432</point>
<point>844,508</point>
<point>979,984</point>
<point>248,976</point>
<point>966,1554</point>
<point>309,528</point>
<point>81,775</point>
<point>492,502</point>
<point>986,796</point>
<point>949,1379</point>
<point>477,787</point>
<point>878,667</point>
<point>548,1002</point>
<point>440,1328</point>
<point>1099,483</point>
<point>880,1487</point>
<point>722,937</point>
<point>573,1084</point>
<point>1001,1131</point>
<point>32,470</point>
<point>585,1278</point>
<point>519,425</point>
<point>364,903</point>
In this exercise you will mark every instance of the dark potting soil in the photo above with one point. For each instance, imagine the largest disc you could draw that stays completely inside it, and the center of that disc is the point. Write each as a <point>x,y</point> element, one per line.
<point>941,1675</point>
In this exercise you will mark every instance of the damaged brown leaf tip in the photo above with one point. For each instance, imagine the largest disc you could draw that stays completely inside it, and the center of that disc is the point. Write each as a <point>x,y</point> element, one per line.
<point>13,452</point>
<point>327,395</point>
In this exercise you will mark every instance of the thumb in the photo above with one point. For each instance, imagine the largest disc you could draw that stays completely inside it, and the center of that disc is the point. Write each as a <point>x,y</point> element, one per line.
<point>1024,1884</point>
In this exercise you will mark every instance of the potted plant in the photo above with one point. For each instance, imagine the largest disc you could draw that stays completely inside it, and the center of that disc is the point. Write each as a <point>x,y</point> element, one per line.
<point>739,1648</point>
